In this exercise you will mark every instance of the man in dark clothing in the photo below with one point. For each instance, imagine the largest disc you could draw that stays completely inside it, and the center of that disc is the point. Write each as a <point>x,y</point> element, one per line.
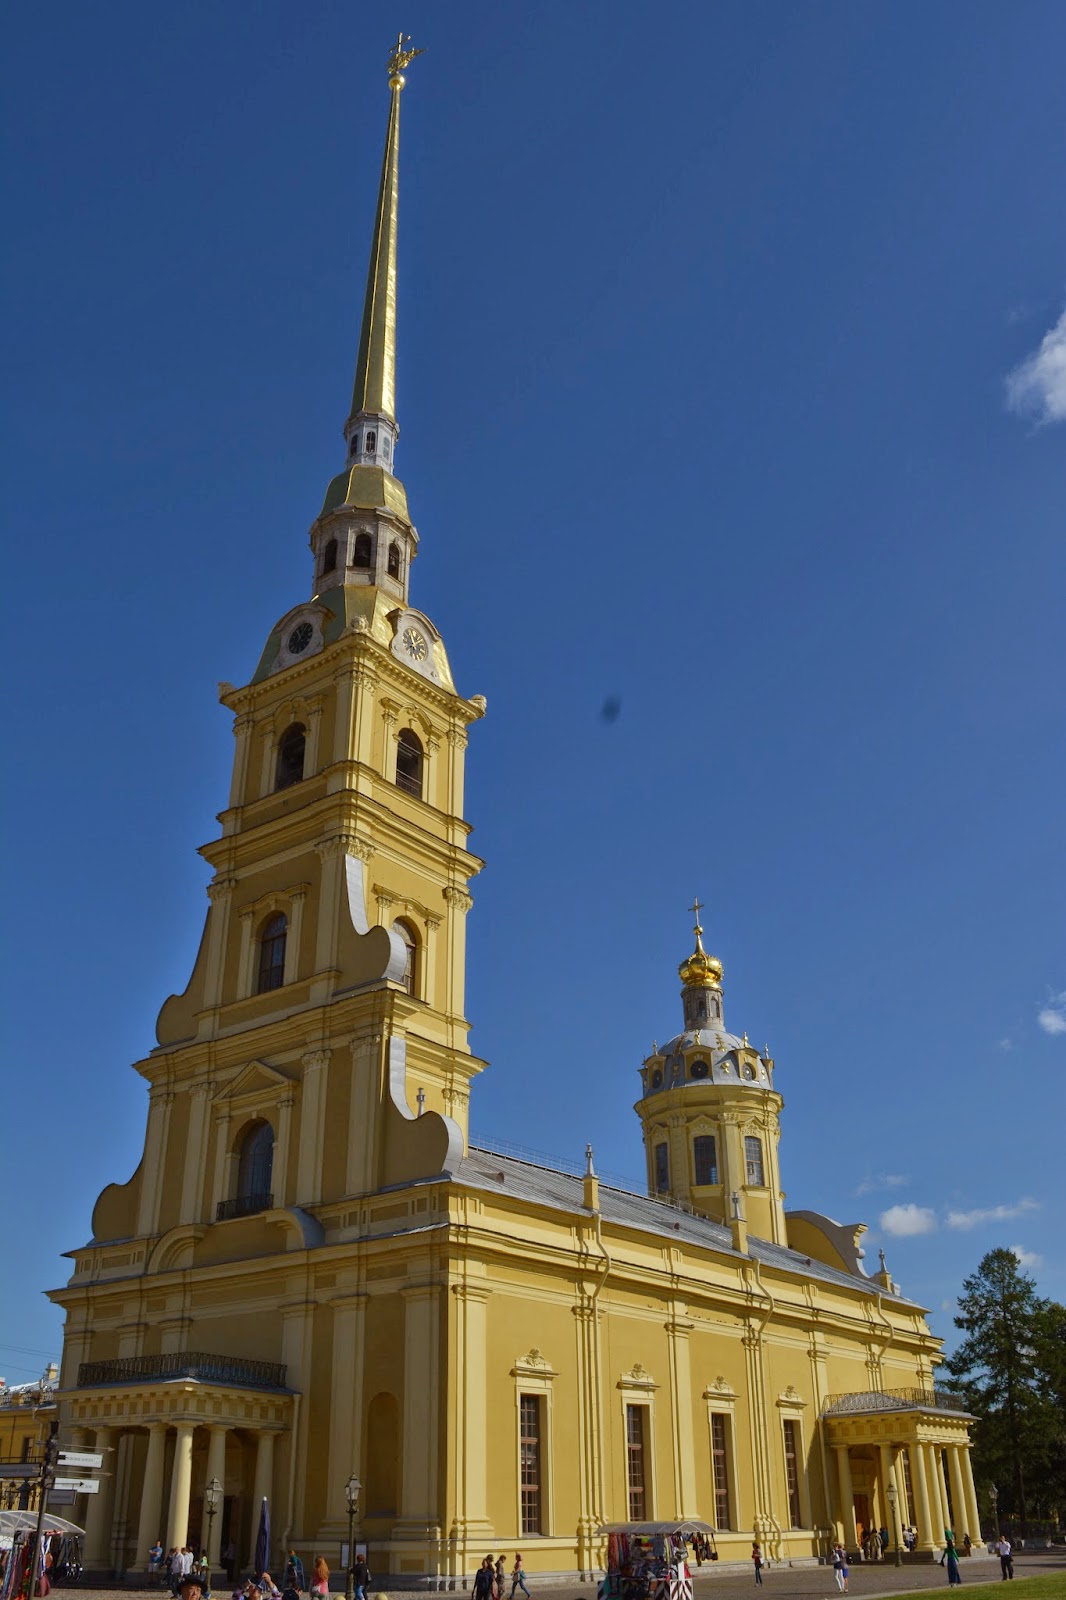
<point>360,1577</point>
<point>484,1579</point>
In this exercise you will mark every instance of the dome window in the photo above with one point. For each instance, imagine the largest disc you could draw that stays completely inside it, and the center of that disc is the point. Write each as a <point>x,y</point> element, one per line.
<point>704,1159</point>
<point>329,557</point>
<point>662,1168</point>
<point>371,442</point>
<point>698,1069</point>
<point>657,1078</point>
<point>290,763</point>
<point>753,1168</point>
<point>363,552</point>
<point>394,561</point>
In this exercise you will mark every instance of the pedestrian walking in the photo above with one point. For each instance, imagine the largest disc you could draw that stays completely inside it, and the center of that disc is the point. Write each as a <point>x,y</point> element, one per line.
<point>320,1578</point>
<point>361,1577</point>
<point>501,1575</point>
<point>1006,1558</point>
<point>518,1577</point>
<point>294,1573</point>
<point>155,1559</point>
<point>756,1561</point>
<point>950,1558</point>
<point>840,1567</point>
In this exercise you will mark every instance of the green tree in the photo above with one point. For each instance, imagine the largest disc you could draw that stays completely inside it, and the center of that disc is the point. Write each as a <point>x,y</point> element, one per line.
<point>1000,1370</point>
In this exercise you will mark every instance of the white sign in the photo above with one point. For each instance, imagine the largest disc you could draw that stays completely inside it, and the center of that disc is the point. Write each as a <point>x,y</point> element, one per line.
<point>80,1458</point>
<point>79,1485</point>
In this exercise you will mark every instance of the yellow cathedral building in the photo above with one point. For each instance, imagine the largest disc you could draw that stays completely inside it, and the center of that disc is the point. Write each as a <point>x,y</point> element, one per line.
<point>313,1273</point>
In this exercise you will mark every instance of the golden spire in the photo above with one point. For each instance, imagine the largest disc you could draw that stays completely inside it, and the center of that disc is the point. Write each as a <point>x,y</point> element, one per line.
<point>375,368</point>
<point>699,970</point>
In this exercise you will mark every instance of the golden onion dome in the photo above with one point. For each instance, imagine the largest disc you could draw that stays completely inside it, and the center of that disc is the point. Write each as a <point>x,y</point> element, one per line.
<point>699,970</point>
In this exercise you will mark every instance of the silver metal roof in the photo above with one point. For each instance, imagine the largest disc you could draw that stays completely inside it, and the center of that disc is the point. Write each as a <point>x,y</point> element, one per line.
<point>526,1180</point>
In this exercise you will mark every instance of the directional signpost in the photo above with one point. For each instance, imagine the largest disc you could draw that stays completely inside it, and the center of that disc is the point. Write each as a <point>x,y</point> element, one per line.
<point>78,1485</point>
<point>80,1458</point>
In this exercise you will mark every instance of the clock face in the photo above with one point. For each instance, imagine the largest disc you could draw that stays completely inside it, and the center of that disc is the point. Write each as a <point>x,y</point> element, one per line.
<point>299,638</point>
<point>415,644</point>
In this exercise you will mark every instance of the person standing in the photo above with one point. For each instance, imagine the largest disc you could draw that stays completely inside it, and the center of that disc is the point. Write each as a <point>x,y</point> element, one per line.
<point>294,1573</point>
<point>155,1559</point>
<point>361,1577</point>
<point>320,1579</point>
<point>484,1580</point>
<point>518,1577</point>
<point>1006,1557</point>
<point>756,1561</point>
<point>501,1575</point>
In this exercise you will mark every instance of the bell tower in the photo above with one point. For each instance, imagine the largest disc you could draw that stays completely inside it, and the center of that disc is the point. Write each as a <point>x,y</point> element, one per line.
<point>327,998</point>
<point>709,1111</point>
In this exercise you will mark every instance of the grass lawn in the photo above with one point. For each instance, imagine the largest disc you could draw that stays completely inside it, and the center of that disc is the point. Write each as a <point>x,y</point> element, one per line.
<point>1049,1586</point>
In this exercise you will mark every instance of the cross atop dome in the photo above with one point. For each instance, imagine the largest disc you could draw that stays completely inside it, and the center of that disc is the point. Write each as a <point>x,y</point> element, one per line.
<point>699,970</point>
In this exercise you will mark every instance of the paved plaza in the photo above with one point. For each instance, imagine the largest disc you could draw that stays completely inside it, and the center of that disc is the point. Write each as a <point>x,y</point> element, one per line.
<point>875,1582</point>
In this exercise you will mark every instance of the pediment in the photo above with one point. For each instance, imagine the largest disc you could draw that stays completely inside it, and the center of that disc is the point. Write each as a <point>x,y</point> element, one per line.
<point>256,1081</point>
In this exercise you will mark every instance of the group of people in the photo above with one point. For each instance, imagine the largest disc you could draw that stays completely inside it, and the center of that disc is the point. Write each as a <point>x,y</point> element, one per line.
<point>491,1578</point>
<point>188,1576</point>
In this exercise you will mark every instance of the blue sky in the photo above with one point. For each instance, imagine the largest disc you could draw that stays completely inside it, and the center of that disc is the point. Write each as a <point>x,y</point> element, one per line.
<point>706,340</point>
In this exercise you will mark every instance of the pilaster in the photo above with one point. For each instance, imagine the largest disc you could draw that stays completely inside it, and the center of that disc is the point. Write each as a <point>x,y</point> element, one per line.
<point>677,1333</point>
<point>312,1127</point>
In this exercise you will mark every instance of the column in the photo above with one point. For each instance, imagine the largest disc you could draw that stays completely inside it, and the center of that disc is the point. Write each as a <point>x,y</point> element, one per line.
<point>938,1458</point>
<point>266,771</point>
<point>847,1497</point>
<point>155,1146</point>
<point>677,1332</point>
<point>468,1374</point>
<point>242,733</point>
<point>279,1176</point>
<point>885,1458</point>
<point>150,1521</point>
<point>937,1509</point>
<point>211,1537</point>
<point>264,1487</point>
<point>195,1154</point>
<point>421,1411</point>
<point>247,954</point>
<point>960,1509</point>
<point>98,1515</point>
<point>180,1487</point>
<point>922,1509</point>
<point>312,1127</point>
<point>346,1403</point>
<point>292,943</point>
<point>221,1174</point>
<point>314,727</point>
<point>973,1511</point>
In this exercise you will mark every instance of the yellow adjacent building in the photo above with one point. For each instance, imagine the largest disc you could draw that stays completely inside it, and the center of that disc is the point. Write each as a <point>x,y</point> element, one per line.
<point>313,1273</point>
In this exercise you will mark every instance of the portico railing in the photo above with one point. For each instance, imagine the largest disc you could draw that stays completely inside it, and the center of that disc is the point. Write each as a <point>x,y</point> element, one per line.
<point>893,1400</point>
<point>182,1364</point>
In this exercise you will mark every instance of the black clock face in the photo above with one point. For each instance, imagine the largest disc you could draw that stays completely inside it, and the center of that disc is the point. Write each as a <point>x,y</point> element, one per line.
<point>299,638</point>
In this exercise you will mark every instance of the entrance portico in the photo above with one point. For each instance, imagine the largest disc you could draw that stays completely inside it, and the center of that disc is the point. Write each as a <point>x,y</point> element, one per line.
<point>166,1434</point>
<point>903,1437</point>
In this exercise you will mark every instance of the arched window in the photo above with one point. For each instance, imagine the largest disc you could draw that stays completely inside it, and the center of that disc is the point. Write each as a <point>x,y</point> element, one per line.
<point>662,1168</point>
<point>371,442</point>
<point>272,941</point>
<point>329,557</point>
<point>353,445</point>
<point>363,553</point>
<point>410,941</point>
<point>254,1166</point>
<point>290,764</point>
<point>394,561</point>
<point>409,762</point>
<point>753,1172</point>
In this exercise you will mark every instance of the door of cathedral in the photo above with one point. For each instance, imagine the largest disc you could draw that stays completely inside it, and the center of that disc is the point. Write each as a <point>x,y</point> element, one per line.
<point>862,1514</point>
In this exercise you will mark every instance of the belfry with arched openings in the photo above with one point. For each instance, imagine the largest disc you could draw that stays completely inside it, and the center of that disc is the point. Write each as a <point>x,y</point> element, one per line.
<point>314,1273</point>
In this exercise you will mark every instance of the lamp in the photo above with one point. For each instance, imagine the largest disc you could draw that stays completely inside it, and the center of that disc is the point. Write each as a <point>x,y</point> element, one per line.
<point>212,1501</point>
<point>352,1490</point>
<point>897,1532</point>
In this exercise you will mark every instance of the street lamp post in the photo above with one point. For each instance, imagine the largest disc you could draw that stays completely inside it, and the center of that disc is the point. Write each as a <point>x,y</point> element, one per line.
<point>352,1490</point>
<point>897,1532</point>
<point>212,1500</point>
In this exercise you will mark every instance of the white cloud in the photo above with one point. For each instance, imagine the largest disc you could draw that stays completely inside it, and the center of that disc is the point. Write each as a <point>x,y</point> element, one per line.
<point>1052,1017</point>
<point>973,1219</point>
<point>1006,1044</point>
<point>882,1180</point>
<point>902,1221</point>
<point>1026,1258</point>
<point>1037,387</point>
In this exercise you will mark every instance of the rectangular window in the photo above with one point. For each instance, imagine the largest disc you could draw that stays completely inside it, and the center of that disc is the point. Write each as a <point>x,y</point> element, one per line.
<point>662,1168</point>
<point>792,1472</point>
<point>753,1161</point>
<point>529,1462</point>
<point>705,1159</point>
<point>908,1489</point>
<point>720,1465</point>
<point>635,1463</point>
